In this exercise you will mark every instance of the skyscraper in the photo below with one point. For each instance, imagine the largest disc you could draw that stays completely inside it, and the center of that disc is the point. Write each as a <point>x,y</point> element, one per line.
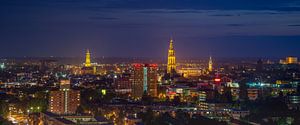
<point>144,80</point>
<point>88,59</point>
<point>210,64</point>
<point>64,100</point>
<point>171,68</point>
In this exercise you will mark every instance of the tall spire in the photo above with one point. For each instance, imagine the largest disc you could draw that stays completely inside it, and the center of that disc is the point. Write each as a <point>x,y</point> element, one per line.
<point>210,64</point>
<point>171,58</point>
<point>171,44</point>
<point>88,58</point>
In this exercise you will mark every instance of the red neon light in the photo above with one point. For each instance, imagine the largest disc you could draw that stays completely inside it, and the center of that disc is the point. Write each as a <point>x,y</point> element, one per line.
<point>153,65</point>
<point>137,65</point>
<point>217,80</point>
<point>172,93</point>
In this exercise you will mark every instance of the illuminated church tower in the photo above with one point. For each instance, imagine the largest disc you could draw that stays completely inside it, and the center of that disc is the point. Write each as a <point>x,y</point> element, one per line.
<point>210,64</point>
<point>88,67</point>
<point>88,59</point>
<point>171,58</point>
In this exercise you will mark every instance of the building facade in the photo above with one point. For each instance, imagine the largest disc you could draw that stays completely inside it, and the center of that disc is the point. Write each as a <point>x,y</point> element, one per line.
<point>144,80</point>
<point>123,84</point>
<point>64,100</point>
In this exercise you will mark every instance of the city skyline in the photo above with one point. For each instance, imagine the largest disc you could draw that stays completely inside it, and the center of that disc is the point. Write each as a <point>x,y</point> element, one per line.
<point>142,29</point>
<point>149,62</point>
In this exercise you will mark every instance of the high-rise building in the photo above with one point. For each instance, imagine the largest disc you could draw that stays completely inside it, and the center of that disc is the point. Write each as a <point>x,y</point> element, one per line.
<point>144,80</point>
<point>171,68</point>
<point>64,100</point>
<point>210,64</point>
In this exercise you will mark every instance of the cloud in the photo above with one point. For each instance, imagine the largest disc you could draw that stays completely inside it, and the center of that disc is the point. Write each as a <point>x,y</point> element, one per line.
<point>282,5</point>
<point>103,18</point>
<point>294,25</point>
<point>235,25</point>
<point>224,15</point>
<point>155,11</point>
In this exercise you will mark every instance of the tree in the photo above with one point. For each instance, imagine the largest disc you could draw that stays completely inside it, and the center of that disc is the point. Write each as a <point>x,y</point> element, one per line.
<point>217,95</point>
<point>148,117</point>
<point>182,117</point>
<point>176,100</point>
<point>79,110</point>
<point>228,96</point>
<point>4,121</point>
<point>243,90</point>
<point>164,119</point>
<point>200,120</point>
<point>167,99</point>
<point>37,105</point>
<point>146,99</point>
<point>120,118</point>
<point>3,109</point>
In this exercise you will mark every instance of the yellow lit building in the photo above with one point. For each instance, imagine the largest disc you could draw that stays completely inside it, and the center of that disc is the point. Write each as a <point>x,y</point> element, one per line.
<point>88,59</point>
<point>190,72</point>
<point>289,60</point>
<point>210,64</point>
<point>171,58</point>
<point>88,68</point>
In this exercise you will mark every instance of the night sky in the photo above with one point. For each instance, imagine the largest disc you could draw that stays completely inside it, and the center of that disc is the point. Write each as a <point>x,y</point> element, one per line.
<point>142,28</point>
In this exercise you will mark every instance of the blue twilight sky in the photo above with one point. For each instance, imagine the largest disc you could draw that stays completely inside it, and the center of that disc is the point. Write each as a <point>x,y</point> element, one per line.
<point>142,28</point>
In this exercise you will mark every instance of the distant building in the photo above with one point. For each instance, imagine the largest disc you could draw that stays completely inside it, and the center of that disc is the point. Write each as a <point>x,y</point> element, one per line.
<point>234,88</point>
<point>178,90</point>
<point>210,64</point>
<point>259,65</point>
<point>132,120</point>
<point>88,68</point>
<point>171,67</point>
<point>190,72</point>
<point>123,84</point>
<point>47,118</point>
<point>88,59</point>
<point>65,100</point>
<point>253,93</point>
<point>48,64</point>
<point>293,101</point>
<point>2,66</point>
<point>289,60</point>
<point>144,80</point>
